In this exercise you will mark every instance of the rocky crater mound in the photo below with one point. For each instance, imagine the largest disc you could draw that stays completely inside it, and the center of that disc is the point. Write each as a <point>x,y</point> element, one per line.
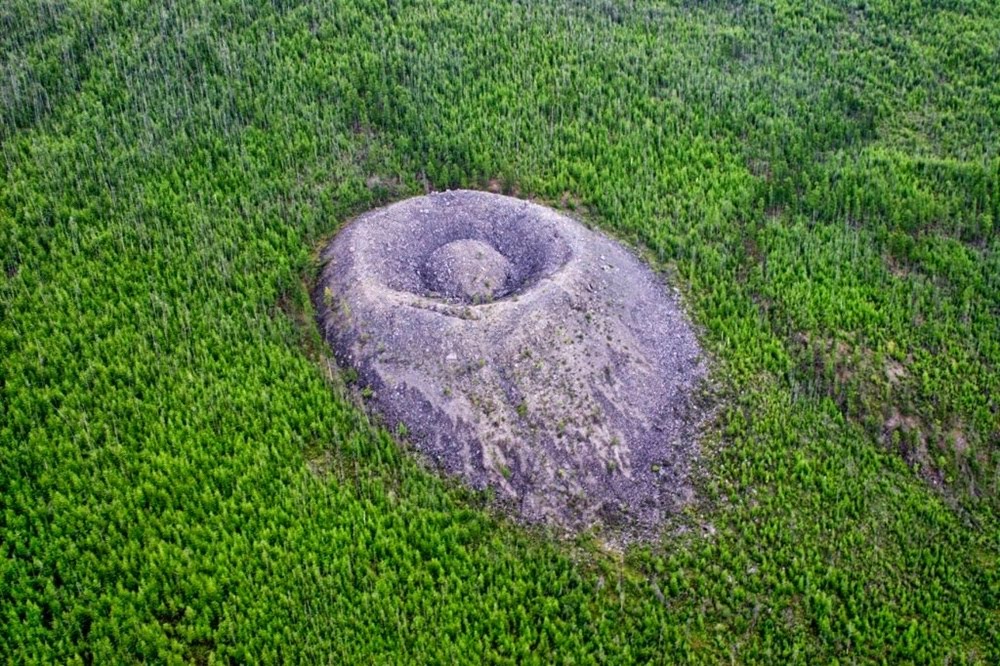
<point>522,351</point>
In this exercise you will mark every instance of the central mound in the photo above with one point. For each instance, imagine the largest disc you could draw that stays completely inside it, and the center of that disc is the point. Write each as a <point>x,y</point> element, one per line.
<point>523,352</point>
<point>466,270</point>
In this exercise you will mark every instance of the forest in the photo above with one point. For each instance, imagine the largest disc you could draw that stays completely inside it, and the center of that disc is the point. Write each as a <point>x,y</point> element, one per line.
<point>184,478</point>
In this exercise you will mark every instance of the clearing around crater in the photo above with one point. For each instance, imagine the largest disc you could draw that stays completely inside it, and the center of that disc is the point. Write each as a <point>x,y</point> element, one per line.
<point>522,351</point>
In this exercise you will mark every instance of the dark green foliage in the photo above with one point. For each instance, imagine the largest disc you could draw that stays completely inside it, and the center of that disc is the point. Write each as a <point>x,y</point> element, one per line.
<point>180,479</point>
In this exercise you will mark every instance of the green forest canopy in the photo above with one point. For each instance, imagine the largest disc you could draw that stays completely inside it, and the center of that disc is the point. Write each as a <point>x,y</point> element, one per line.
<point>180,479</point>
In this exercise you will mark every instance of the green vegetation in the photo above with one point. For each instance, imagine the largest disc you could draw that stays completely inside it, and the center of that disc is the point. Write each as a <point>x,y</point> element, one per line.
<point>182,479</point>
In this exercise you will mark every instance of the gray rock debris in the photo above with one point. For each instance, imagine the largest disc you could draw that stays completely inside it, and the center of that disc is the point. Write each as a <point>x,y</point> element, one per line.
<point>523,352</point>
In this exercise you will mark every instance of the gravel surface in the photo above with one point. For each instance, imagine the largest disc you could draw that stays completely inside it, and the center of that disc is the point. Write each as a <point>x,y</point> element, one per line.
<point>522,351</point>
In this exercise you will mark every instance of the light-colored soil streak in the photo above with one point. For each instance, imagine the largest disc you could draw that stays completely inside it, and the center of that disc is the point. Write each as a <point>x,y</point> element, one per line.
<point>522,351</point>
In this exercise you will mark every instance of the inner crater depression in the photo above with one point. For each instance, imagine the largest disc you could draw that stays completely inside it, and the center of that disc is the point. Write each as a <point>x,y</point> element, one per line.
<point>522,351</point>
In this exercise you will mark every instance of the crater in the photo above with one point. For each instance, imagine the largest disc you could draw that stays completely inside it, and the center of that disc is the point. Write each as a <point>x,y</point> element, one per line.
<point>523,352</point>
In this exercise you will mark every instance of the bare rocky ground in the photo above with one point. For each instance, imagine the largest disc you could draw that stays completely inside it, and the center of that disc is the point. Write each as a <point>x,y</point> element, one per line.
<point>523,352</point>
